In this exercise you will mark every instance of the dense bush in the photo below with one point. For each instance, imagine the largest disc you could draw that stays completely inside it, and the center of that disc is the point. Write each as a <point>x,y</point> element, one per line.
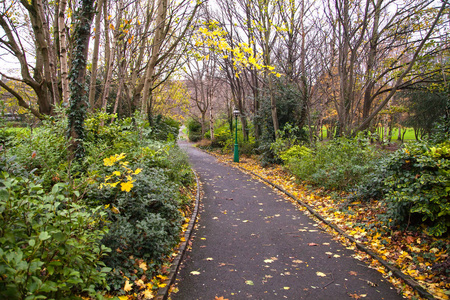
<point>289,111</point>
<point>141,183</point>
<point>165,129</point>
<point>416,185</point>
<point>43,152</point>
<point>194,130</point>
<point>339,164</point>
<point>145,223</point>
<point>222,137</point>
<point>49,246</point>
<point>142,194</point>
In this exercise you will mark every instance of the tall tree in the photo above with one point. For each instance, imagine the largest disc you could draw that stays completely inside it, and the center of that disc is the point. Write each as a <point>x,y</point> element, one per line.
<point>77,77</point>
<point>42,76</point>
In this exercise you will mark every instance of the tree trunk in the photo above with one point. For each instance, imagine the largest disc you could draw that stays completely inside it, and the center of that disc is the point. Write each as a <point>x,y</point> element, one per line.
<point>211,120</point>
<point>63,52</point>
<point>95,50</point>
<point>156,46</point>
<point>111,59</point>
<point>52,61</point>
<point>77,77</point>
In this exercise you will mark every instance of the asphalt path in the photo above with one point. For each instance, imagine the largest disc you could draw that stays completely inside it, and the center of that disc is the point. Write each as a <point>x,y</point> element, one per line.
<point>252,243</point>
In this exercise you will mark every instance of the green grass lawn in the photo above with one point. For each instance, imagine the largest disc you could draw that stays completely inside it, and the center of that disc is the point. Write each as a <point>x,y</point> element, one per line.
<point>409,135</point>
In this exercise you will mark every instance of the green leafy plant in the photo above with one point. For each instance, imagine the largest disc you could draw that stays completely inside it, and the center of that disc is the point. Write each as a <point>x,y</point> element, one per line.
<point>49,246</point>
<point>340,164</point>
<point>194,130</point>
<point>418,182</point>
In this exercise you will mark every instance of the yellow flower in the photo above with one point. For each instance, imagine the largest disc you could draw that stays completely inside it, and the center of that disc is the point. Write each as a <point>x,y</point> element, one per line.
<point>120,156</point>
<point>117,173</point>
<point>114,184</point>
<point>126,186</point>
<point>137,171</point>
<point>109,161</point>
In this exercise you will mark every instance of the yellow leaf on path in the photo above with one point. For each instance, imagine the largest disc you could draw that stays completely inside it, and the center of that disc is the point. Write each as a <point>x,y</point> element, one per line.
<point>195,273</point>
<point>286,288</point>
<point>321,274</point>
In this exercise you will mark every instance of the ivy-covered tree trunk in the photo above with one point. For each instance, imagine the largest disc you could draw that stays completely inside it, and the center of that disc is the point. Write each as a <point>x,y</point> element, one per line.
<point>77,77</point>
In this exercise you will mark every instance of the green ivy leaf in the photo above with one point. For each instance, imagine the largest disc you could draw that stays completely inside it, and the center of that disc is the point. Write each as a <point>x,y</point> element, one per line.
<point>44,236</point>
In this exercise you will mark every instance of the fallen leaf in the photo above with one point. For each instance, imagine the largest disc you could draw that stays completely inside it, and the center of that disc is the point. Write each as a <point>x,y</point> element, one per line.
<point>249,282</point>
<point>356,296</point>
<point>195,273</point>
<point>321,274</point>
<point>143,266</point>
<point>353,273</point>
<point>313,244</point>
<point>128,286</point>
<point>286,288</point>
<point>148,294</point>
<point>220,298</point>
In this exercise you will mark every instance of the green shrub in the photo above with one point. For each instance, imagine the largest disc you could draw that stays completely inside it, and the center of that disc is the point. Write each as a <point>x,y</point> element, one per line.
<point>49,246</point>
<point>118,136</point>
<point>9,136</point>
<point>340,164</point>
<point>43,152</point>
<point>418,186</point>
<point>222,138</point>
<point>194,130</point>
<point>165,129</point>
<point>145,221</point>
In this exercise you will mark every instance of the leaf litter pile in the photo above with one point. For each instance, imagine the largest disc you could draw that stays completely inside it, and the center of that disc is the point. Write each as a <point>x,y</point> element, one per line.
<point>423,258</point>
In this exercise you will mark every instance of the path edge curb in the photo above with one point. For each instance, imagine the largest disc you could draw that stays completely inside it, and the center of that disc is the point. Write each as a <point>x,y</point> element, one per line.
<point>395,271</point>
<point>163,293</point>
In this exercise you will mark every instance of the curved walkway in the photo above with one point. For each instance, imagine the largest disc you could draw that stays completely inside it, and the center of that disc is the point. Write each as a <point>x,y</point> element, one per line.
<point>252,243</point>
